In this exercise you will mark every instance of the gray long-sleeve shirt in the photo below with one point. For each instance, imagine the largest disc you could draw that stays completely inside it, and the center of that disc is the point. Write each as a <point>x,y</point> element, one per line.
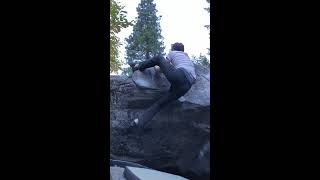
<point>181,60</point>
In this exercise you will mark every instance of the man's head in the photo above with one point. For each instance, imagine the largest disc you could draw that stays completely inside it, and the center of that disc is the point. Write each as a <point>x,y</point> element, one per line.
<point>177,47</point>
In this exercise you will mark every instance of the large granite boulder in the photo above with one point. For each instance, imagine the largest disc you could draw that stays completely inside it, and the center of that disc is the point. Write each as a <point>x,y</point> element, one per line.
<point>179,140</point>
<point>198,94</point>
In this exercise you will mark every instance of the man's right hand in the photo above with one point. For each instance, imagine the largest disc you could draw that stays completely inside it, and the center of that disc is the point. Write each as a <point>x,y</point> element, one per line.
<point>135,67</point>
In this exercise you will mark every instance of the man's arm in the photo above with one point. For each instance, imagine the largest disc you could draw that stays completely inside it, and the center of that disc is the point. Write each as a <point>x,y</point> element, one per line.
<point>169,57</point>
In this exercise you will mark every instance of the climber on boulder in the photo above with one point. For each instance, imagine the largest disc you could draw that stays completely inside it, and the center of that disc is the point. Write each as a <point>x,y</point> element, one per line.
<point>180,72</point>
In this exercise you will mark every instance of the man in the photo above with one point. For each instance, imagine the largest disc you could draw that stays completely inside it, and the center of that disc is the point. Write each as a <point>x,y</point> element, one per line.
<point>178,69</point>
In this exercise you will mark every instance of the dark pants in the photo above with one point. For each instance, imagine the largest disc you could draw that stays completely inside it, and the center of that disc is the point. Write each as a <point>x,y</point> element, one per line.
<point>179,86</point>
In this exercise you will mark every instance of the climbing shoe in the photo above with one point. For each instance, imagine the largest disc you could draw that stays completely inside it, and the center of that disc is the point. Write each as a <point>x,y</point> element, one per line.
<point>134,127</point>
<point>135,123</point>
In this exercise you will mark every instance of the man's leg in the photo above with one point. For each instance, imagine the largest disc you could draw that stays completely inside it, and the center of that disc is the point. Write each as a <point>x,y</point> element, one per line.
<point>172,95</point>
<point>179,86</point>
<point>147,64</point>
<point>155,108</point>
<point>166,67</point>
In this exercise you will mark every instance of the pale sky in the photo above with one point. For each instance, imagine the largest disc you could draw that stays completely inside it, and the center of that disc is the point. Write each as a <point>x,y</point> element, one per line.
<point>182,21</point>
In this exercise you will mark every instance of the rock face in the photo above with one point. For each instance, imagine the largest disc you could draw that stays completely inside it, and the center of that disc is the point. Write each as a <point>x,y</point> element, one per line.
<point>178,142</point>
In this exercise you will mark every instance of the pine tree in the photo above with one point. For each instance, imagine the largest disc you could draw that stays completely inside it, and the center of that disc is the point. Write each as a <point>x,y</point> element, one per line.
<point>146,40</point>
<point>201,60</point>
<point>118,21</point>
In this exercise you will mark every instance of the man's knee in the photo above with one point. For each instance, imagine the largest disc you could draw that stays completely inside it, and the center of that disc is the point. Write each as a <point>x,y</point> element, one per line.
<point>184,89</point>
<point>158,58</point>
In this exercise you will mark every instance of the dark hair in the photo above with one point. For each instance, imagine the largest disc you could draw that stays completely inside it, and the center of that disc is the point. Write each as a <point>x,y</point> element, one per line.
<point>177,47</point>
